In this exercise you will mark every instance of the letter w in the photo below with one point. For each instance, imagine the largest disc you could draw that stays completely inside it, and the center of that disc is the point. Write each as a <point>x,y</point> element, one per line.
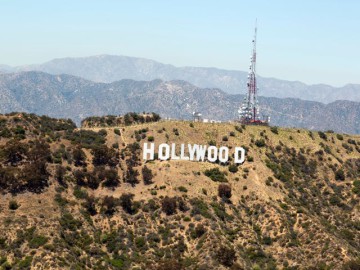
<point>200,151</point>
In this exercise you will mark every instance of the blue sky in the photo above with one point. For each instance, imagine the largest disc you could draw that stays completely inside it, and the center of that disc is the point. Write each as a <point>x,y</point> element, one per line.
<point>310,41</point>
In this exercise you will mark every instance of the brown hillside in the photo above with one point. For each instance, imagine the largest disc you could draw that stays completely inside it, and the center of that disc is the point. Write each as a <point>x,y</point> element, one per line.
<point>84,198</point>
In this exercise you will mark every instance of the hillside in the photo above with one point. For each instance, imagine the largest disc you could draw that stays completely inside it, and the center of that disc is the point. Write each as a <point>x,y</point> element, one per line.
<point>72,97</point>
<point>111,68</point>
<point>84,198</point>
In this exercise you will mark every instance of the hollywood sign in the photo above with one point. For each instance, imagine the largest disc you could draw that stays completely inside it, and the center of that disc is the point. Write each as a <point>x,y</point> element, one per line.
<point>192,152</point>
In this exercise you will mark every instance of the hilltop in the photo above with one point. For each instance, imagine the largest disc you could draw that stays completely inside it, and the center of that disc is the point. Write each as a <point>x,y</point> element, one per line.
<point>84,199</point>
<point>67,96</point>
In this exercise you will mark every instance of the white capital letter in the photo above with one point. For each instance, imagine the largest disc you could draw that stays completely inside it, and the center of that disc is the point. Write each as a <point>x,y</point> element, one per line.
<point>192,150</point>
<point>212,157</point>
<point>223,154</point>
<point>173,151</point>
<point>182,153</point>
<point>200,153</point>
<point>162,155</point>
<point>148,151</point>
<point>242,155</point>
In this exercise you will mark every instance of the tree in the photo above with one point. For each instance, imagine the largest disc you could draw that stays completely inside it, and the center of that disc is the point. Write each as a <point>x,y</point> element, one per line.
<point>224,191</point>
<point>103,155</point>
<point>109,204</point>
<point>226,256</point>
<point>340,175</point>
<point>9,180</point>
<point>126,202</point>
<point>14,152</point>
<point>90,205</point>
<point>93,181</point>
<point>183,207</point>
<point>59,175</point>
<point>40,152</point>
<point>147,175</point>
<point>79,177</point>
<point>168,205</point>
<point>35,176</point>
<point>79,157</point>
<point>199,230</point>
<point>131,176</point>
<point>111,178</point>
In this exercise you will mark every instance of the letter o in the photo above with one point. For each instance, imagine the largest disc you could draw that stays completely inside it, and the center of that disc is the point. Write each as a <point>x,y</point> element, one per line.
<point>212,153</point>
<point>161,154</point>
<point>223,154</point>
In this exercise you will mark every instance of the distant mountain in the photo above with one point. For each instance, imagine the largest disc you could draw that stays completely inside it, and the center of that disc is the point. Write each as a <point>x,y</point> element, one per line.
<point>109,68</point>
<point>73,97</point>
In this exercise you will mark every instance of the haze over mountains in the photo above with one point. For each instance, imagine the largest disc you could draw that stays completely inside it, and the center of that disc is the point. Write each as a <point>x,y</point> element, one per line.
<point>109,68</point>
<point>73,97</point>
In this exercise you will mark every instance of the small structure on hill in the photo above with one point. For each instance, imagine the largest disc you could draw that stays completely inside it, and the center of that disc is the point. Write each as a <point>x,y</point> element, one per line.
<point>197,116</point>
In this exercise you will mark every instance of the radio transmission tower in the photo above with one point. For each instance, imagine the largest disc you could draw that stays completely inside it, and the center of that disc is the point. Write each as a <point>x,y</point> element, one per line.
<point>249,110</point>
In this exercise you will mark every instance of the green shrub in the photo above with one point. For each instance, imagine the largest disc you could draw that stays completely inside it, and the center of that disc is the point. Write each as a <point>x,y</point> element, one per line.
<point>38,241</point>
<point>182,189</point>
<point>233,168</point>
<point>267,240</point>
<point>199,207</point>
<point>140,242</point>
<point>250,159</point>
<point>260,143</point>
<point>115,145</point>
<point>212,143</point>
<point>150,138</point>
<point>117,131</point>
<point>25,263</point>
<point>274,130</point>
<point>13,205</point>
<point>226,256</point>
<point>356,188</point>
<point>216,175</point>
<point>339,137</point>
<point>117,263</point>
<point>68,222</point>
<point>322,135</point>
<point>199,231</point>
<point>80,193</point>
<point>340,175</point>
<point>239,129</point>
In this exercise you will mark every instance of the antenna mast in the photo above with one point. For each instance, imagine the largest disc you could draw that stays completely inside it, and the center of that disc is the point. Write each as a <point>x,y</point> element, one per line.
<point>249,109</point>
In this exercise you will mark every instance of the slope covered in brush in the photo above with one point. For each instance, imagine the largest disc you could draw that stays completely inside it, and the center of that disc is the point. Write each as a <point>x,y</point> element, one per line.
<point>85,199</point>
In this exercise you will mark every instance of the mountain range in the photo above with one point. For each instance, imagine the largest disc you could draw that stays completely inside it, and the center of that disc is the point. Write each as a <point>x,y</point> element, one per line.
<point>76,98</point>
<point>109,68</point>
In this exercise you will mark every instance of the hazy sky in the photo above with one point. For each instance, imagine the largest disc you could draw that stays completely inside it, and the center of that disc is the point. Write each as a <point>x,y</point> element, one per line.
<point>314,41</point>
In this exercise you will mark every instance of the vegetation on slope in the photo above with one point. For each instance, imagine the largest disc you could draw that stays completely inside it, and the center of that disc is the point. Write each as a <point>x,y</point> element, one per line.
<point>84,199</point>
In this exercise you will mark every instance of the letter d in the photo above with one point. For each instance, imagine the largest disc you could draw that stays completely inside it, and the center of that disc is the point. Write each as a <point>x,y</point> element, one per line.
<point>239,155</point>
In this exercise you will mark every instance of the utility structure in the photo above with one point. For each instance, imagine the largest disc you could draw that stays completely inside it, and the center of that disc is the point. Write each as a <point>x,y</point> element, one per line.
<point>197,116</point>
<point>249,112</point>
